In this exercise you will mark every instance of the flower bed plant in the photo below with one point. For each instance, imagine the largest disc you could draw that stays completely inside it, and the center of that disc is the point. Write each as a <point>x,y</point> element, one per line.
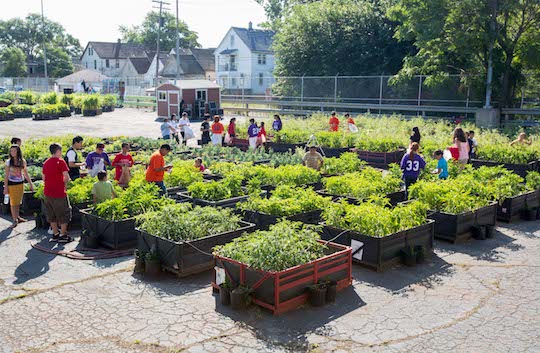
<point>22,110</point>
<point>348,162</point>
<point>28,97</point>
<point>6,113</point>
<point>182,175</point>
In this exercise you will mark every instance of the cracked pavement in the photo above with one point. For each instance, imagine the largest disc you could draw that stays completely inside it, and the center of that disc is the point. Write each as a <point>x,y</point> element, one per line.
<point>482,296</point>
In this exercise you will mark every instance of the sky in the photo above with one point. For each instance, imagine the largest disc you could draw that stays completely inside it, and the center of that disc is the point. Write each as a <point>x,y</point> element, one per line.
<point>98,20</point>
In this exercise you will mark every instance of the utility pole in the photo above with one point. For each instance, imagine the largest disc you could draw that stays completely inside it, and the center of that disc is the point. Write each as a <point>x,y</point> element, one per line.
<point>43,43</point>
<point>161,3</point>
<point>177,45</point>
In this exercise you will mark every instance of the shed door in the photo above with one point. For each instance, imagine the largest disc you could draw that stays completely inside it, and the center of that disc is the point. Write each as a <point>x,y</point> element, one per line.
<point>173,102</point>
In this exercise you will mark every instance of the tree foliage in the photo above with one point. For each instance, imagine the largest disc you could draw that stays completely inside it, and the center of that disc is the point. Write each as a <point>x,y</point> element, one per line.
<point>455,37</point>
<point>346,37</point>
<point>13,62</point>
<point>147,32</point>
<point>59,63</point>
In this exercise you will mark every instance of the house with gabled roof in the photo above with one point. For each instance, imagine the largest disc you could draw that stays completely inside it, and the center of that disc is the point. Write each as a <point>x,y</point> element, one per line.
<point>108,57</point>
<point>195,64</point>
<point>244,60</point>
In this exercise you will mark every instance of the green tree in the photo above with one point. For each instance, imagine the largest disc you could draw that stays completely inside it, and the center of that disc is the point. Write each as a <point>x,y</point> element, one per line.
<point>14,62</point>
<point>59,63</point>
<point>147,32</point>
<point>276,10</point>
<point>346,37</point>
<point>29,35</point>
<point>456,37</point>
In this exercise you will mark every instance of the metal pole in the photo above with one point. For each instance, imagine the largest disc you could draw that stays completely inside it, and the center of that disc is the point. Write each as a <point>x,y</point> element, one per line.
<point>381,90</point>
<point>158,39</point>
<point>522,97</point>
<point>489,80</point>
<point>335,88</point>
<point>302,89</point>
<point>177,45</point>
<point>43,43</point>
<point>468,96</point>
<point>420,91</point>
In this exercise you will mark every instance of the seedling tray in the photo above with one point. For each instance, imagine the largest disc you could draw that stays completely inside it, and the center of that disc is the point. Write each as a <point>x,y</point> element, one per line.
<point>286,290</point>
<point>380,254</point>
<point>183,258</point>
<point>112,234</point>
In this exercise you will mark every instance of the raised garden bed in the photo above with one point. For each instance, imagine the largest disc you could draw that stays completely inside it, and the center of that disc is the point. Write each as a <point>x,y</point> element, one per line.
<point>263,220</point>
<point>108,109</point>
<point>381,159</point>
<point>512,208</point>
<point>285,147</point>
<point>112,234</point>
<point>22,114</point>
<point>395,197</point>
<point>519,169</point>
<point>286,290</point>
<point>315,186</point>
<point>383,253</point>
<point>182,258</point>
<point>92,112</point>
<point>45,117</point>
<point>333,152</point>
<point>7,117</point>
<point>30,204</point>
<point>458,228</point>
<point>184,196</point>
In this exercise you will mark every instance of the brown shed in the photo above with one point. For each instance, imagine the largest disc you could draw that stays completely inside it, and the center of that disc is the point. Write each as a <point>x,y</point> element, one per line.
<point>199,96</point>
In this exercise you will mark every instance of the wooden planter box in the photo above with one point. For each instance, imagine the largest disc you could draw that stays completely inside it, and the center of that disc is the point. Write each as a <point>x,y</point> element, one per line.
<point>263,220</point>
<point>173,192</point>
<point>285,147</point>
<point>383,253</point>
<point>112,234</point>
<point>333,152</point>
<point>181,258</point>
<point>381,159</point>
<point>511,208</point>
<point>287,290</point>
<point>458,228</point>
<point>395,197</point>
<point>242,144</point>
<point>520,169</point>
<point>184,196</point>
<point>93,112</point>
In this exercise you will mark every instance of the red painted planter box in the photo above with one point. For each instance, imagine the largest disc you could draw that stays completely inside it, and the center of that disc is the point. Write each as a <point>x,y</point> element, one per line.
<point>286,290</point>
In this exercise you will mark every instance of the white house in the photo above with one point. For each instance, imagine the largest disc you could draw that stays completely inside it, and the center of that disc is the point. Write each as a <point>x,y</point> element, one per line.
<point>195,64</point>
<point>245,61</point>
<point>109,58</point>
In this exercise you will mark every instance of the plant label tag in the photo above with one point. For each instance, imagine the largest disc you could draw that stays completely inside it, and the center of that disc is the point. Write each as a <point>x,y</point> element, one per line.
<point>220,275</point>
<point>504,210</point>
<point>357,249</point>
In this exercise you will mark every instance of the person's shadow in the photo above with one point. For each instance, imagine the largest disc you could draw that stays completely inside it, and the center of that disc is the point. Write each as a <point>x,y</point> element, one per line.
<point>4,235</point>
<point>36,263</point>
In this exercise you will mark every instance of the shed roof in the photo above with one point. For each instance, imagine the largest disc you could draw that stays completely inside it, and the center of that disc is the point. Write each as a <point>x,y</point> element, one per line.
<point>192,84</point>
<point>86,75</point>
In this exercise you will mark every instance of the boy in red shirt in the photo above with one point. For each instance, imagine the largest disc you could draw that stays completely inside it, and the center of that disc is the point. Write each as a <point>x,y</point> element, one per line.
<point>334,122</point>
<point>57,207</point>
<point>122,160</point>
<point>157,168</point>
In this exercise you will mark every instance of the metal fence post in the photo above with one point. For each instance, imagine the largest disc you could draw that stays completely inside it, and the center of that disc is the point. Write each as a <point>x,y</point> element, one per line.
<point>335,88</point>
<point>468,96</point>
<point>522,97</point>
<point>381,90</point>
<point>420,91</point>
<point>302,89</point>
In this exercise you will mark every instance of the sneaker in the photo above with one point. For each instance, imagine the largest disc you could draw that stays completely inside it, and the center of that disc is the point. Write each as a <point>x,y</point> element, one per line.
<point>55,237</point>
<point>50,231</point>
<point>65,239</point>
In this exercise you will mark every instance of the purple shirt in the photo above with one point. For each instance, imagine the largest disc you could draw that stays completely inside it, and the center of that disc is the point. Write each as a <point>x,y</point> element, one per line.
<point>412,168</point>
<point>94,157</point>
<point>277,125</point>
<point>253,130</point>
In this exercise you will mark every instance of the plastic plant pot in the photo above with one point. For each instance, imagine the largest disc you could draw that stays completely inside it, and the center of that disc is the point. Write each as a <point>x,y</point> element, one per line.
<point>331,292</point>
<point>239,298</point>
<point>479,232</point>
<point>152,269</point>
<point>224,296</point>
<point>317,295</point>
<point>490,232</point>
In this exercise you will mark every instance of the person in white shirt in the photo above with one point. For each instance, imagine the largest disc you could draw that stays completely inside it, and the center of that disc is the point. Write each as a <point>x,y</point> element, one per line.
<point>174,128</point>
<point>182,124</point>
<point>166,129</point>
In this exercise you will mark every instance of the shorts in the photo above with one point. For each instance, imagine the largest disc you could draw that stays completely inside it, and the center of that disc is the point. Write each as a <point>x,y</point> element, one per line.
<point>16,193</point>
<point>58,210</point>
<point>463,160</point>
<point>217,139</point>
<point>253,142</point>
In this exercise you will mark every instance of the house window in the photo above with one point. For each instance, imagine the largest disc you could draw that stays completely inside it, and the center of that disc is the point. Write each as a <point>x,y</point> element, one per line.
<point>202,94</point>
<point>107,63</point>
<point>233,82</point>
<point>261,59</point>
<point>232,63</point>
<point>162,96</point>
<point>117,63</point>
<point>232,41</point>
<point>261,79</point>
<point>90,51</point>
<point>95,64</point>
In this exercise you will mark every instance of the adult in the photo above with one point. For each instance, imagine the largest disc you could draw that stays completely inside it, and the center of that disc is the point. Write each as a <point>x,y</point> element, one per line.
<point>174,128</point>
<point>14,176</point>
<point>415,136</point>
<point>157,168</point>
<point>231,130</point>
<point>166,129</point>
<point>122,162</point>
<point>521,140</point>
<point>57,207</point>
<point>313,159</point>
<point>334,122</point>
<point>277,125</point>
<point>205,130</point>
<point>460,141</point>
<point>72,158</point>
<point>182,124</point>
<point>16,141</point>
<point>94,159</point>
<point>253,134</point>
<point>411,165</point>
<point>217,131</point>
<point>473,145</point>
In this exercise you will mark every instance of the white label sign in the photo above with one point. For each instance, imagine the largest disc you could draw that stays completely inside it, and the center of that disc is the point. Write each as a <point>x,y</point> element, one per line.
<point>220,275</point>
<point>357,249</point>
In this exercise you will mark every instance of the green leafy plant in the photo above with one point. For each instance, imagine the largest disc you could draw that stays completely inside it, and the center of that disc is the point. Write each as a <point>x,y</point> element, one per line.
<point>183,174</point>
<point>21,108</point>
<point>362,185</point>
<point>49,98</point>
<point>347,163</point>
<point>28,97</point>
<point>227,188</point>
<point>5,111</point>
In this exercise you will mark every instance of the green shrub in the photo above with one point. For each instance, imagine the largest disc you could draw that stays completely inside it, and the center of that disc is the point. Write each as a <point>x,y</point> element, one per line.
<point>109,100</point>
<point>28,97</point>
<point>183,174</point>
<point>21,108</point>
<point>49,98</point>
<point>5,111</point>
<point>90,102</point>
<point>67,99</point>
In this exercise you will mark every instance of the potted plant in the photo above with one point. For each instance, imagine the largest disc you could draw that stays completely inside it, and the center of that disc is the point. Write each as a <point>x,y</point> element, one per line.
<point>91,106</point>
<point>139,261</point>
<point>409,256</point>
<point>331,291</point>
<point>6,114</point>
<point>77,102</point>
<point>91,240</point>
<point>317,294</point>
<point>240,297</point>
<point>152,263</point>
<point>421,254</point>
<point>225,292</point>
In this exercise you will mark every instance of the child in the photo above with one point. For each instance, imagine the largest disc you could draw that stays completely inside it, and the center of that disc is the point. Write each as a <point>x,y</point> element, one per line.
<point>121,161</point>
<point>103,189</point>
<point>472,144</point>
<point>411,164</point>
<point>334,122</point>
<point>442,165</point>
<point>199,165</point>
